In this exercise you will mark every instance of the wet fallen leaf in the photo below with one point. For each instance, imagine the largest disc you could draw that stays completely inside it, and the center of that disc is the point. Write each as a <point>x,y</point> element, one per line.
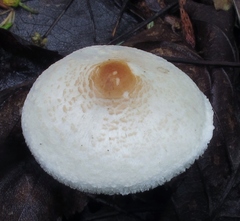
<point>208,190</point>
<point>27,193</point>
<point>75,20</point>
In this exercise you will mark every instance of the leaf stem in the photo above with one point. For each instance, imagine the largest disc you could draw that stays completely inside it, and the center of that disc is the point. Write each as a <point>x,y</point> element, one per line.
<point>27,8</point>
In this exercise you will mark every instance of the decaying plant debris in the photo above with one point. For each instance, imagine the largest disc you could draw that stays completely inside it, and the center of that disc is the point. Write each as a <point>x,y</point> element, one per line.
<point>209,190</point>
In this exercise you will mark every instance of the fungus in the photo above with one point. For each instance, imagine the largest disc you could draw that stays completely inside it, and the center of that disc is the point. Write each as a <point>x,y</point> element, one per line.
<point>115,120</point>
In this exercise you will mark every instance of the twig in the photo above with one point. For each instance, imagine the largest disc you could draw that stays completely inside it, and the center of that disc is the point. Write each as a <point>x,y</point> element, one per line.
<point>92,20</point>
<point>119,17</point>
<point>123,37</point>
<point>57,19</point>
<point>203,62</point>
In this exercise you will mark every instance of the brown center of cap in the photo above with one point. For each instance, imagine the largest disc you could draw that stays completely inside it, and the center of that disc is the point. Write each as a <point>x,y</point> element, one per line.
<point>112,79</point>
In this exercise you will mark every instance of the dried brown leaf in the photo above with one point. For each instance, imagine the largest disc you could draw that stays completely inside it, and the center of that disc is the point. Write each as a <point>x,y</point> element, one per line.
<point>187,27</point>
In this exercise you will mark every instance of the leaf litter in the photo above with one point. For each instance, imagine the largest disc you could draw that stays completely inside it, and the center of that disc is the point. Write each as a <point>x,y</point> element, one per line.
<point>208,190</point>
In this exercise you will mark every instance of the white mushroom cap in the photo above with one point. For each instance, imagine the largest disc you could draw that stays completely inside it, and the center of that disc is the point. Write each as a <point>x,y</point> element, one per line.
<point>115,120</point>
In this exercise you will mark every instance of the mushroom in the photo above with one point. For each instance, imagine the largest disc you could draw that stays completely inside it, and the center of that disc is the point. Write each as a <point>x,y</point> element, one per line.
<point>115,120</point>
